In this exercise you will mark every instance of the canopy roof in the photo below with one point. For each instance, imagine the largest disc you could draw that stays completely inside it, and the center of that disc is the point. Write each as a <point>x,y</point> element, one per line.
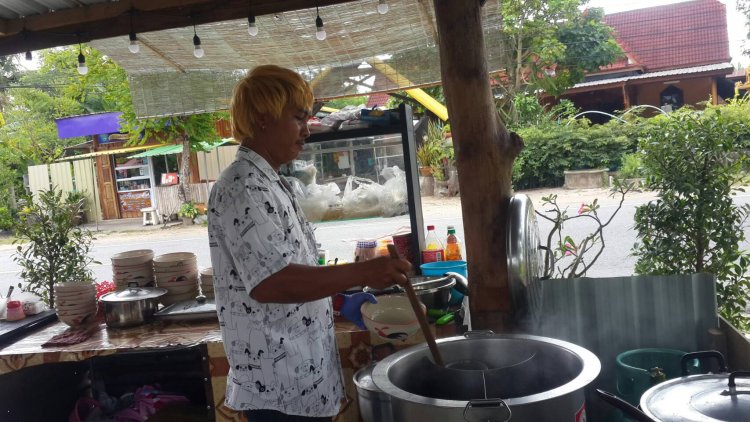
<point>364,51</point>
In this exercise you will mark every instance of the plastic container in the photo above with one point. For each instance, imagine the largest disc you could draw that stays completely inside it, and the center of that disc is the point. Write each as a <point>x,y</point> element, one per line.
<point>433,248</point>
<point>15,311</point>
<point>366,250</point>
<point>453,246</point>
<point>382,248</point>
<point>632,370</point>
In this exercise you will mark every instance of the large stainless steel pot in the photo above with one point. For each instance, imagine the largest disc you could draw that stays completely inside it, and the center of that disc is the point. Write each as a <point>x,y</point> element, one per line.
<point>132,306</point>
<point>505,377</point>
<point>705,397</point>
<point>693,398</point>
<point>374,405</point>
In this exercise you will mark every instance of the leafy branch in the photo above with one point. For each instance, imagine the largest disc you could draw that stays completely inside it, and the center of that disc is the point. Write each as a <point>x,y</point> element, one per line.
<point>570,258</point>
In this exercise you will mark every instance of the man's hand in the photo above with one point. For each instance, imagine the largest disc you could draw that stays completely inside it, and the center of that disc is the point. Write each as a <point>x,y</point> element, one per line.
<point>351,304</point>
<point>383,272</point>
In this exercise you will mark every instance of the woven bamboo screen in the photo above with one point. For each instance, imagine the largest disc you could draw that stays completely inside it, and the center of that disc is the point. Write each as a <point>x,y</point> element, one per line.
<point>364,52</point>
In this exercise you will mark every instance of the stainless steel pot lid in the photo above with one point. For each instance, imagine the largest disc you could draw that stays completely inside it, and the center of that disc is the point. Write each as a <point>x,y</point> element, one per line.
<point>133,293</point>
<point>524,263</point>
<point>701,398</point>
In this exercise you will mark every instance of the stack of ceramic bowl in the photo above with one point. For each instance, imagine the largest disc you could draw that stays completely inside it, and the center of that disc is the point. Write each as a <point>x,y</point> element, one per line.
<point>75,302</point>
<point>207,282</point>
<point>178,273</point>
<point>133,267</point>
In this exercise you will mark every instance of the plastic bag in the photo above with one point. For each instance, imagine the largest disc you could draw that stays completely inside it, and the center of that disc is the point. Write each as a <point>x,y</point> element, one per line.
<point>362,201</point>
<point>321,202</point>
<point>393,195</point>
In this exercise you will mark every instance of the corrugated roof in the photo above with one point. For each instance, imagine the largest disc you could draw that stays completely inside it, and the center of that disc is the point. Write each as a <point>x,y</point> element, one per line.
<point>674,36</point>
<point>674,72</point>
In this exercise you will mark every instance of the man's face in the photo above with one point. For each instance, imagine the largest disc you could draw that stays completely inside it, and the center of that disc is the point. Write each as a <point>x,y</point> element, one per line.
<point>287,135</point>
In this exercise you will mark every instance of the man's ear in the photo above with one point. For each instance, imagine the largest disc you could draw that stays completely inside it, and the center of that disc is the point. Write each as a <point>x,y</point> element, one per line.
<point>264,120</point>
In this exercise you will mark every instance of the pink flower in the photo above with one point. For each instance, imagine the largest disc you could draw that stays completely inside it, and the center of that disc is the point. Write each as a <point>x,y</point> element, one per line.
<point>569,249</point>
<point>583,209</point>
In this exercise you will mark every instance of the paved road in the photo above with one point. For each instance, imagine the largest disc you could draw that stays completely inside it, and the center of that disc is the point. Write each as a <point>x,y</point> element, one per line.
<point>339,238</point>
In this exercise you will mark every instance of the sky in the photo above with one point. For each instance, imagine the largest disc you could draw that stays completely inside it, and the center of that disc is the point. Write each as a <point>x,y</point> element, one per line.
<point>735,21</point>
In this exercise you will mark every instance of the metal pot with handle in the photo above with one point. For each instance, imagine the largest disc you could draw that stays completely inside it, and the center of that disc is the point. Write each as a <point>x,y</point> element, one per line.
<point>694,398</point>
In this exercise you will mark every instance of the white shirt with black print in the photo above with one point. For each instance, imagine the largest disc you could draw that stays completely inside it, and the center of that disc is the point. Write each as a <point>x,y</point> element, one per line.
<point>282,356</point>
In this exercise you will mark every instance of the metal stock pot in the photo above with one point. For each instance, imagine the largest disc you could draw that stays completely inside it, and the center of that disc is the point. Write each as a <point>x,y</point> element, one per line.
<point>693,398</point>
<point>489,377</point>
<point>132,306</point>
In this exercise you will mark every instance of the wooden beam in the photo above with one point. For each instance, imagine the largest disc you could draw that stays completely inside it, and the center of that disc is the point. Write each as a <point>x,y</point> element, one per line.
<point>714,91</point>
<point>485,151</point>
<point>112,19</point>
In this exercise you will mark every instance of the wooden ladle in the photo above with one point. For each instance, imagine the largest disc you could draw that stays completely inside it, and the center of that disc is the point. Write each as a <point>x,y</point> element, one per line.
<point>416,305</point>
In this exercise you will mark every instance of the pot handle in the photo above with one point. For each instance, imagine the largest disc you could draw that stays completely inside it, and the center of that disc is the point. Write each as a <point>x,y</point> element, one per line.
<point>732,384</point>
<point>487,410</point>
<point>628,409</point>
<point>687,357</point>
<point>462,285</point>
<point>478,333</point>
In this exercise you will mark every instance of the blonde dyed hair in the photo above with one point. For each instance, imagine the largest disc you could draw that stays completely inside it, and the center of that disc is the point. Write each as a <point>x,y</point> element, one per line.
<point>266,90</point>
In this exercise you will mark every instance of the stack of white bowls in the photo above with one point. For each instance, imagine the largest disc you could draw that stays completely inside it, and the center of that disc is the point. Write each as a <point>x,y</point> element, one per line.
<point>178,273</point>
<point>75,302</point>
<point>133,267</point>
<point>207,282</point>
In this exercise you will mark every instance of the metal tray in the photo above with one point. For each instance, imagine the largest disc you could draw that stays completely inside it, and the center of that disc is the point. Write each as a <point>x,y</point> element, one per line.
<point>188,310</point>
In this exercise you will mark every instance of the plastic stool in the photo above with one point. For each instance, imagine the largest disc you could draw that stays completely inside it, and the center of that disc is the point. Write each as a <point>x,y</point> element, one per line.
<point>150,216</point>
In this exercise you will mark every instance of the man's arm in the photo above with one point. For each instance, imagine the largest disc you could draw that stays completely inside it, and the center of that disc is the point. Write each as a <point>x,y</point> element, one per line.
<point>298,283</point>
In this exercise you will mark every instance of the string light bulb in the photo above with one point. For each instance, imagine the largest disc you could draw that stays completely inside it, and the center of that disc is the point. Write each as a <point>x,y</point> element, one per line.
<point>82,68</point>
<point>320,31</point>
<point>198,50</point>
<point>133,47</point>
<point>251,28</point>
<point>383,7</point>
<point>28,55</point>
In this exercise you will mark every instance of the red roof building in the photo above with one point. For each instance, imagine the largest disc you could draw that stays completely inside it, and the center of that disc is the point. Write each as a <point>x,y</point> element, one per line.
<point>674,55</point>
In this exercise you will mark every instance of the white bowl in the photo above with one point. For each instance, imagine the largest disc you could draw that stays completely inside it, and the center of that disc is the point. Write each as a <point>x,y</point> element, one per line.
<point>169,259</point>
<point>135,257</point>
<point>392,318</point>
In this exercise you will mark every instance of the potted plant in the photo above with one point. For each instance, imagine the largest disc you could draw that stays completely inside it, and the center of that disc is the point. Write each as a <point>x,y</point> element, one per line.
<point>188,212</point>
<point>430,152</point>
<point>52,248</point>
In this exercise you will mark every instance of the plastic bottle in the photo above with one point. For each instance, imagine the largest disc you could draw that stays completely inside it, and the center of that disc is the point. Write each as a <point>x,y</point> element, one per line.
<point>433,249</point>
<point>453,246</point>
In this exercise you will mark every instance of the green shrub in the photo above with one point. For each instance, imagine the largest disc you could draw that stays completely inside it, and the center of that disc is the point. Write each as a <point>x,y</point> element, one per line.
<point>6,218</point>
<point>694,226</point>
<point>632,167</point>
<point>549,150</point>
<point>189,210</point>
<point>52,248</point>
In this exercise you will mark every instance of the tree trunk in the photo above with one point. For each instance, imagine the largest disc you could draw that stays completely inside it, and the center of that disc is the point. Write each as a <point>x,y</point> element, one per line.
<point>183,191</point>
<point>485,151</point>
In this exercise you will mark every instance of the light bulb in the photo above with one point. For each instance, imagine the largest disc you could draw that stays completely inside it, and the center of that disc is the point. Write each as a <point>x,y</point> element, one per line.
<point>133,47</point>
<point>321,32</point>
<point>28,55</point>
<point>82,68</point>
<point>382,7</point>
<point>198,51</point>
<point>251,28</point>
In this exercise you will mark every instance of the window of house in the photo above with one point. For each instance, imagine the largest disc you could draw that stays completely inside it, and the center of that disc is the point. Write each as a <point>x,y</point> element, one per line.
<point>671,97</point>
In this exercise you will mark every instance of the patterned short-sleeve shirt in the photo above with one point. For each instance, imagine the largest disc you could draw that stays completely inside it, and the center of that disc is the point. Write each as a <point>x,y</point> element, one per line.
<point>282,356</point>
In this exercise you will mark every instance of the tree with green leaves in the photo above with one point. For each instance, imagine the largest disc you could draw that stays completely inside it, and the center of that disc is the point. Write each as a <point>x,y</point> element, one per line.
<point>694,226</point>
<point>550,46</point>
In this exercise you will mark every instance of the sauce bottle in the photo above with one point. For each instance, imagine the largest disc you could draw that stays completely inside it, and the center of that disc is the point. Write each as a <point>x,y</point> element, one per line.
<point>453,246</point>
<point>433,249</point>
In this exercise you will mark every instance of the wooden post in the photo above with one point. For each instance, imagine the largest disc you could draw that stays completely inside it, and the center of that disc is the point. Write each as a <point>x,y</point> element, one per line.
<point>714,92</point>
<point>485,151</point>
